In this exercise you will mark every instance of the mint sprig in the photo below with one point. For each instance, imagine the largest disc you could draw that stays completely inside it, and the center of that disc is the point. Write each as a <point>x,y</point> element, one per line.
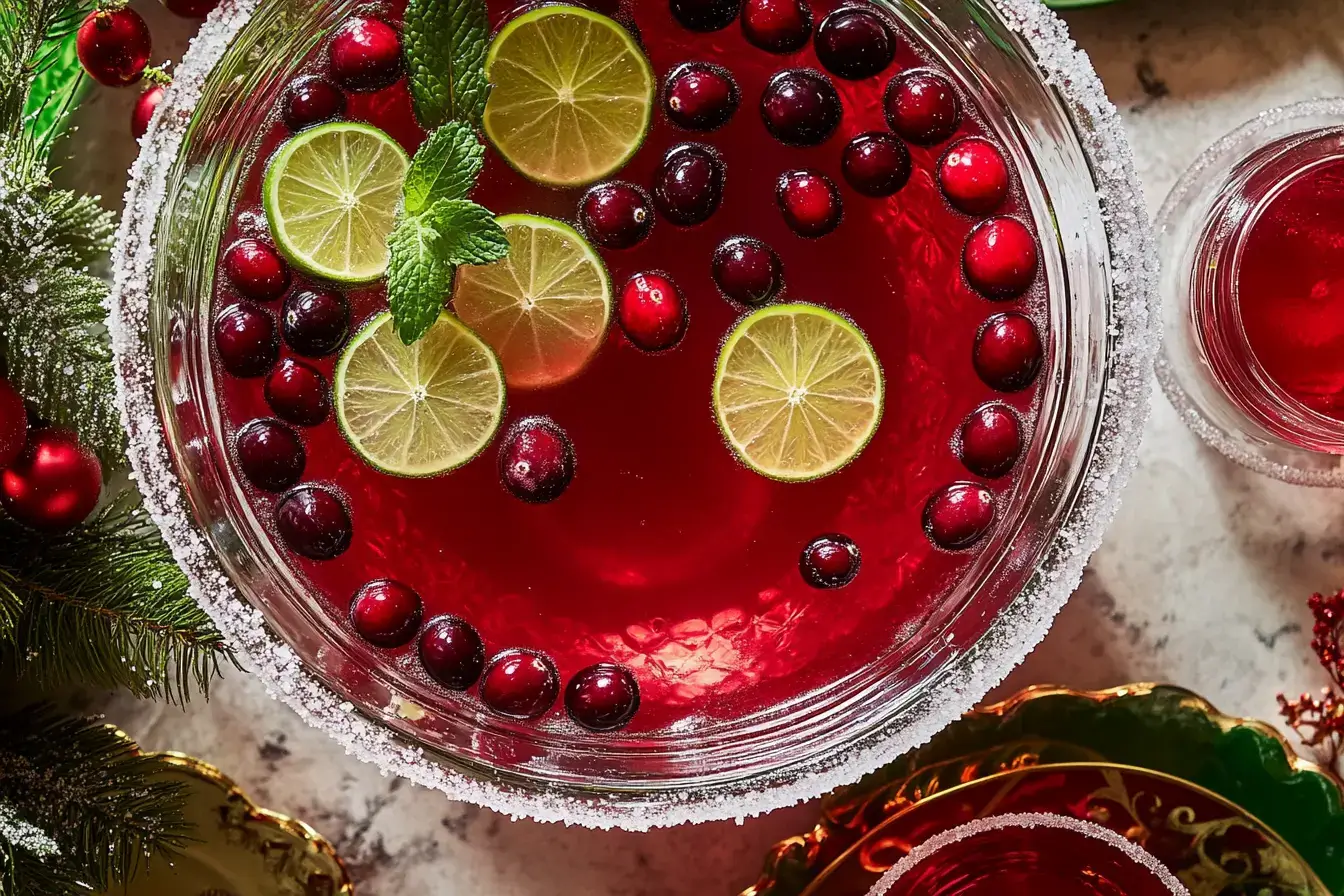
<point>446,42</point>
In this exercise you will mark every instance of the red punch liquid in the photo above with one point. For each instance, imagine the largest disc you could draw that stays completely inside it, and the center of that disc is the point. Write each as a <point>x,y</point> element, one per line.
<point>665,555</point>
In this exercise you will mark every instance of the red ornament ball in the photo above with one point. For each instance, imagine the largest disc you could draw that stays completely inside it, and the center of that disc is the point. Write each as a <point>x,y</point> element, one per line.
<point>13,425</point>
<point>191,9</point>
<point>114,46</point>
<point>144,108</point>
<point>55,483</point>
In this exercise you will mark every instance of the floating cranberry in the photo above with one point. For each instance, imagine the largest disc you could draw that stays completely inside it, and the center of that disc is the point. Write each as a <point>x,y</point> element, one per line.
<point>143,110</point>
<point>520,684</point>
<point>270,455</point>
<point>855,43</point>
<point>1008,352</point>
<point>705,15</point>
<point>800,107</point>
<point>701,97</point>
<point>959,515</point>
<point>313,523</point>
<point>257,270</point>
<point>536,460</point>
<point>810,202</point>
<point>688,187</point>
<point>315,322</point>
<point>747,271</point>
<point>312,100</point>
<point>922,107</point>
<point>1001,258</point>
<point>652,312</point>
<point>974,176</point>
<point>113,46</point>
<point>990,440</point>
<point>366,55</point>
<point>616,215</point>
<point>386,613</point>
<point>830,561</point>
<point>452,652</point>
<point>245,340</point>
<point>298,393</point>
<point>876,164</point>
<point>603,697</point>
<point>779,26</point>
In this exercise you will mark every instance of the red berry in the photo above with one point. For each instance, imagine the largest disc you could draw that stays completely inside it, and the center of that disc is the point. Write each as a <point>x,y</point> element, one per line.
<point>452,652</point>
<point>855,43</point>
<point>520,684</point>
<point>245,340</point>
<point>191,9</point>
<point>366,55</point>
<point>705,15</point>
<point>779,26</point>
<point>257,270</point>
<point>114,46</point>
<point>974,176</point>
<point>876,164</point>
<point>270,455</point>
<point>701,97</point>
<point>747,271</point>
<point>800,107</point>
<point>1008,352</point>
<point>990,440</point>
<point>616,215</point>
<point>313,523</point>
<point>959,515</point>
<point>386,613</point>
<point>54,484</point>
<point>13,424</point>
<point>1001,258</point>
<point>652,312</point>
<point>922,107</point>
<point>603,697</point>
<point>810,202</point>
<point>831,561</point>
<point>312,100</point>
<point>297,392</point>
<point>688,186</point>
<point>536,460</point>
<point>143,110</point>
<point>315,322</point>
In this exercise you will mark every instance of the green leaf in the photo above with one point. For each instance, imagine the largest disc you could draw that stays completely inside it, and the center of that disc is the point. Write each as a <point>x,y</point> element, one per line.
<point>446,42</point>
<point>445,167</point>
<point>419,277</point>
<point>467,232</point>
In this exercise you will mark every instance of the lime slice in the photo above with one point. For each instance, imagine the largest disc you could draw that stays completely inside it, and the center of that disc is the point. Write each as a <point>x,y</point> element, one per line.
<point>572,95</point>
<point>420,409</point>
<point>798,391</point>
<point>544,308</point>
<point>331,196</point>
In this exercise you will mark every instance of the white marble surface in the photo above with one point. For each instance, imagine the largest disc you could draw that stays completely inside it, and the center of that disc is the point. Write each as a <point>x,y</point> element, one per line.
<point>1201,581</point>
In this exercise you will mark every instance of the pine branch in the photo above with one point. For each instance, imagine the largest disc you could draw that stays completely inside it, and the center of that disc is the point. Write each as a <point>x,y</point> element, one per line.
<point>31,862</point>
<point>28,31</point>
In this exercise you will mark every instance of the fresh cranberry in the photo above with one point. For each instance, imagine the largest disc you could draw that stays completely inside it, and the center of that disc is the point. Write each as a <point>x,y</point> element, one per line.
<point>876,164</point>
<point>603,697</point>
<point>855,43</point>
<point>990,440</point>
<point>315,322</point>
<point>959,515</point>
<point>1001,258</point>
<point>652,312</point>
<point>747,271</point>
<point>114,46</point>
<point>922,107</point>
<point>520,684</point>
<point>779,26</point>
<point>270,455</point>
<point>257,270</point>
<point>366,55</point>
<point>974,176</point>
<point>313,523</point>
<point>800,107</point>
<point>831,561</point>
<point>386,613</point>
<point>705,15</point>
<point>688,187</point>
<point>143,110</point>
<point>312,100</point>
<point>191,9</point>
<point>1008,352</point>
<point>810,202</point>
<point>616,215</point>
<point>701,97</point>
<point>297,392</point>
<point>452,652</point>
<point>246,341</point>
<point>536,460</point>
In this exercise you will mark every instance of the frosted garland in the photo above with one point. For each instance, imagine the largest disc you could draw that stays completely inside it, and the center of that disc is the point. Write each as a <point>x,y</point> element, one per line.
<point>1133,332</point>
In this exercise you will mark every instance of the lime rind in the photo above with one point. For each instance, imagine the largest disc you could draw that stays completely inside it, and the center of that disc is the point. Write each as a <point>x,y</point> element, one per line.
<point>822,428</point>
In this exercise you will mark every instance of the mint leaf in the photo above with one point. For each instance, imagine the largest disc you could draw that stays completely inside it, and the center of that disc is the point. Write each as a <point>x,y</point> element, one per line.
<point>419,277</point>
<point>445,167</point>
<point>468,233</point>
<point>446,42</point>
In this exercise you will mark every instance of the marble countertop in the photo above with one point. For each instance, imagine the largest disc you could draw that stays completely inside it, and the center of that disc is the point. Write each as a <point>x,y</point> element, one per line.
<point>1202,579</point>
